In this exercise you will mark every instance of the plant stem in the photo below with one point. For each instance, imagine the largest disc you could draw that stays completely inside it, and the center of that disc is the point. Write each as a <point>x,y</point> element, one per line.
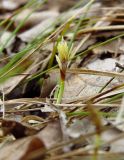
<point>61,90</point>
<point>97,145</point>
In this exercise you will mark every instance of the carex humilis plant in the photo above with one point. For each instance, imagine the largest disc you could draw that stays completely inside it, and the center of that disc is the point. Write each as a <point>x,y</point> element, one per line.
<point>65,54</point>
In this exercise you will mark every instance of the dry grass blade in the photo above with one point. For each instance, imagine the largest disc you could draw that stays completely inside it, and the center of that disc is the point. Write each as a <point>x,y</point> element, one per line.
<point>105,92</point>
<point>94,72</point>
<point>104,28</point>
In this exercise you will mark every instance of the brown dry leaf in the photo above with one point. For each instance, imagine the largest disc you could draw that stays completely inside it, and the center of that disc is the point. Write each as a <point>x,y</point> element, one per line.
<point>60,5</point>
<point>35,144</point>
<point>112,137</point>
<point>84,86</point>
<point>115,139</point>
<point>35,17</point>
<point>20,149</point>
<point>51,134</point>
<point>17,129</point>
<point>81,11</point>
<point>80,127</point>
<point>115,47</point>
<point>43,28</point>
<point>24,147</point>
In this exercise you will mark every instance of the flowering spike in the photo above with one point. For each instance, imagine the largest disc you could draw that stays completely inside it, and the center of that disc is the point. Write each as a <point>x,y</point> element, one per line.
<point>59,62</point>
<point>63,51</point>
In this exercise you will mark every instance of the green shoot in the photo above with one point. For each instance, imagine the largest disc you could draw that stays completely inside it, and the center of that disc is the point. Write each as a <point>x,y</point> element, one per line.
<point>63,58</point>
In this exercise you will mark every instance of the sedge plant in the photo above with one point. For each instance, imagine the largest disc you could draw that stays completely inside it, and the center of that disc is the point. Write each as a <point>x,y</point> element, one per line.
<point>64,56</point>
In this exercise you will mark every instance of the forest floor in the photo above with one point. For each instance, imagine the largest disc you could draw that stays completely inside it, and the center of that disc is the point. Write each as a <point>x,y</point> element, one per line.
<point>61,79</point>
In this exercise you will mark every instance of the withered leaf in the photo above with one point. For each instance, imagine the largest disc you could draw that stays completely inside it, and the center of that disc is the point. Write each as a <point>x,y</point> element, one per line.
<point>17,129</point>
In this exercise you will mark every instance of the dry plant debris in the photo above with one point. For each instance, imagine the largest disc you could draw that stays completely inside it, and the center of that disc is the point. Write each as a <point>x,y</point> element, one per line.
<point>61,79</point>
